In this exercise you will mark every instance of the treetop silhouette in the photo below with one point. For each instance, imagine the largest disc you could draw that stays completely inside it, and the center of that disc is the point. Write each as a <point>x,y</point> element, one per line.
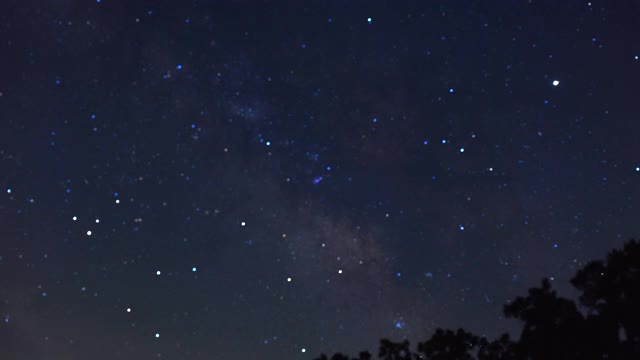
<point>604,325</point>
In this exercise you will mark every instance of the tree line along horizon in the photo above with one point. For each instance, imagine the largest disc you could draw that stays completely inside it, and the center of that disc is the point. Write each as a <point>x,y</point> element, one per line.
<point>603,324</point>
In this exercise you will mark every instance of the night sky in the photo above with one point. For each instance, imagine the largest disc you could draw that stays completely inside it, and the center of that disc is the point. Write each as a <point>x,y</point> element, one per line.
<point>273,180</point>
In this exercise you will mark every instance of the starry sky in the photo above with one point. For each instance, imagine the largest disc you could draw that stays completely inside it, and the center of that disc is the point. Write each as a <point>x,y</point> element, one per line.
<point>277,179</point>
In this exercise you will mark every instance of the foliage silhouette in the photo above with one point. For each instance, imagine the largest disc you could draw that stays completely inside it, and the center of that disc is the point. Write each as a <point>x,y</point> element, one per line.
<point>604,325</point>
<point>551,324</point>
<point>449,345</point>
<point>611,293</point>
<point>501,349</point>
<point>364,355</point>
<point>394,351</point>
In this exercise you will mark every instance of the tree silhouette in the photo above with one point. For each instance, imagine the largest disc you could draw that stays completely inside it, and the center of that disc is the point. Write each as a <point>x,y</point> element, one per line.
<point>552,325</point>
<point>364,355</point>
<point>449,345</point>
<point>501,349</point>
<point>605,324</point>
<point>394,351</point>
<point>611,291</point>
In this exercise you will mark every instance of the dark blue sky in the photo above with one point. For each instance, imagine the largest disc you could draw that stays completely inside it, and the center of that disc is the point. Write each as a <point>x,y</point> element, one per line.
<point>262,179</point>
